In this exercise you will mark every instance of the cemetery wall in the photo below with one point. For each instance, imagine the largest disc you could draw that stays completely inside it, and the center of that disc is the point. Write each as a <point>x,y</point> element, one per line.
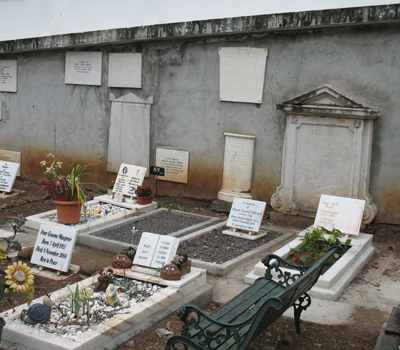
<point>181,72</point>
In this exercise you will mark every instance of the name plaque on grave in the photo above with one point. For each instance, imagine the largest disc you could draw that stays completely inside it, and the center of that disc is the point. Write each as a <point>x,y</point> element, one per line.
<point>8,75</point>
<point>343,214</point>
<point>8,173</point>
<point>53,248</point>
<point>83,68</point>
<point>11,156</point>
<point>246,214</point>
<point>128,179</point>
<point>175,163</point>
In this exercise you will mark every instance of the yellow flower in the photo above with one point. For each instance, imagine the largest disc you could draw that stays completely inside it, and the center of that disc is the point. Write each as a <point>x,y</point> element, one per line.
<point>19,277</point>
<point>3,254</point>
<point>59,164</point>
<point>43,163</point>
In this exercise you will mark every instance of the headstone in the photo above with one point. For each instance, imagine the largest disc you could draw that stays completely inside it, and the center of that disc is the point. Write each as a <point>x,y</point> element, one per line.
<point>146,248</point>
<point>8,75</point>
<point>54,247</point>
<point>11,156</point>
<point>8,173</point>
<point>238,167</point>
<point>83,68</point>
<point>125,70</point>
<point>128,179</point>
<point>343,214</point>
<point>242,73</point>
<point>175,164</point>
<point>129,137</point>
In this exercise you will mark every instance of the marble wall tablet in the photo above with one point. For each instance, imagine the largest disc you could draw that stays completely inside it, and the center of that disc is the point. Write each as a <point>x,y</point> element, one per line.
<point>246,214</point>
<point>344,214</point>
<point>53,248</point>
<point>83,68</point>
<point>175,163</point>
<point>125,70</point>
<point>8,75</point>
<point>128,179</point>
<point>8,173</point>
<point>11,156</point>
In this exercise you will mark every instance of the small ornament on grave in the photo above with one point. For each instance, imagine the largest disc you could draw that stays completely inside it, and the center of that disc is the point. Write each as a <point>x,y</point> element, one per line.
<point>104,280</point>
<point>129,251</point>
<point>182,261</point>
<point>121,261</point>
<point>171,272</point>
<point>112,299</point>
<point>39,313</point>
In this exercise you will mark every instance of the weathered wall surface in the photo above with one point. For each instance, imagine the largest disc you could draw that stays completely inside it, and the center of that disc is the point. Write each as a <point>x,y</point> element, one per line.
<point>182,74</point>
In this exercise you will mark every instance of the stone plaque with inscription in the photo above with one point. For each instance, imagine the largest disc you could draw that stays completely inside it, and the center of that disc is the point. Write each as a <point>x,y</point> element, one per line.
<point>128,179</point>
<point>175,163</point>
<point>246,214</point>
<point>8,173</point>
<point>8,75</point>
<point>83,68</point>
<point>238,167</point>
<point>11,156</point>
<point>242,72</point>
<point>125,70</point>
<point>344,214</point>
<point>54,247</point>
<point>146,248</point>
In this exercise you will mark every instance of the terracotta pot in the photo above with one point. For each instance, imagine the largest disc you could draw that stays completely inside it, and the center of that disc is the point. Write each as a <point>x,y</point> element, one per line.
<point>144,200</point>
<point>68,212</point>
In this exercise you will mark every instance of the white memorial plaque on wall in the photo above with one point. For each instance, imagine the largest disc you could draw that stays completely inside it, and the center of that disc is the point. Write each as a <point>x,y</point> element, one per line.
<point>53,248</point>
<point>175,163</point>
<point>8,75</point>
<point>242,73</point>
<point>83,68</point>
<point>8,173</point>
<point>246,214</point>
<point>125,70</point>
<point>11,156</point>
<point>128,179</point>
<point>343,214</point>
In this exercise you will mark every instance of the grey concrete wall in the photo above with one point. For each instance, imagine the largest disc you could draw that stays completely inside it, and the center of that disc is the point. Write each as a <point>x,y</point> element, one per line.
<point>183,76</point>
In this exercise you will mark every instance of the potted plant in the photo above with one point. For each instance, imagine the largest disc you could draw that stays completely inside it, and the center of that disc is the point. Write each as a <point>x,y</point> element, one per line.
<point>182,261</point>
<point>66,190</point>
<point>144,194</point>
<point>110,187</point>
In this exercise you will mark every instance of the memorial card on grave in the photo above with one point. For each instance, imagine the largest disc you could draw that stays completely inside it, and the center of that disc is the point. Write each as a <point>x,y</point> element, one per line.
<point>53,248</point>
<point>8,173</point>
<point>341,213</point>
<point>128,179</point>
<point>245,219</point>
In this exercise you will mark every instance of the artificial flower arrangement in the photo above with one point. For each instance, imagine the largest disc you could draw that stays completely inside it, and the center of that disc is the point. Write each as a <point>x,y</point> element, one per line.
<point>144,191</point>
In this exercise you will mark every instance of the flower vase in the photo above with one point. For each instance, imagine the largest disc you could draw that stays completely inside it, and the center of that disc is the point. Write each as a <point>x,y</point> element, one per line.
<point>68,212</point>
<point>144,200</point>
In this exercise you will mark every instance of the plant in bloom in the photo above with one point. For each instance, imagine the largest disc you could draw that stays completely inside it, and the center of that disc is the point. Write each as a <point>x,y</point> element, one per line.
<point>144,191</point>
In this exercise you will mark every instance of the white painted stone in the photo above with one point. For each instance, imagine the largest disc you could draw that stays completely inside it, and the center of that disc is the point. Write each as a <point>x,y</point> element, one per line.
<point>175,163</point>
<point>246,214</point>
<point>327,150</point>
<point>8,173</point>
<point>53,248</point>
<point>129,137</point>
<point>242,73</point>
<point>344,214</point>
<point>125,70</point>
<point>238,167</point>
<point>128,179</point>
<point>8,75</point>
<point>83,68</point>
<point>11,156</point>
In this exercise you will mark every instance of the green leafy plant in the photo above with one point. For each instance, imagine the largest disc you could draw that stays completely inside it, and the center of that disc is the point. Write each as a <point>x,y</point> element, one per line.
<point>314,245</point>
<point>170,206</point>
<point>79,300</point>
<point>111,184</point>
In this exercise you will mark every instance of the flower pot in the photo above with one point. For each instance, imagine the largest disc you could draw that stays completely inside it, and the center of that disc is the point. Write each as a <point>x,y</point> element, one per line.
<point>68,212</point>
<point>144,200</point>
<point>2,324</point>
<point>109,191</point>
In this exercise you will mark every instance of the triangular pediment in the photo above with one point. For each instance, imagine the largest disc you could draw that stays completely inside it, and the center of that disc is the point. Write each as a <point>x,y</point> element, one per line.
<point>132,98</point>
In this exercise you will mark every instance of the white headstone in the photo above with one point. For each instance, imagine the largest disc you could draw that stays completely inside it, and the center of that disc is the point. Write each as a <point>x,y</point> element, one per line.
<point>8,75</point>
<point>11,156</point>
<point>165,251</point>
<point>246,214</point>
<point>175,163</point>
<point>125,70</point>
<point>83,68</point>
<point>53,248</point>
<point>343,214</point>
<point>8,173</point>
<point>146,248</point>
<point>128,179</point>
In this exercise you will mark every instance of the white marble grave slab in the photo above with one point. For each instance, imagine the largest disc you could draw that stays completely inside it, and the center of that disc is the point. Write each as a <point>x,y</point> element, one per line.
<point>146,248</point>
<point>246,214</point>
<point>242,73</point>
<point>129,137</point>
<point>175,163</point>
<point>344,214</point>
<point>128,179</point>
<point>83,68</point>
<point>8,75</point>
<point>11,156</point>
<point>125,70</point>
<point>8,173</point>
<point>53,248</point>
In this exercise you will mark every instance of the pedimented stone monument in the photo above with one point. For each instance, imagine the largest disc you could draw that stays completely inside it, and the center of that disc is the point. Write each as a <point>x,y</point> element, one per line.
<point>327,150</point>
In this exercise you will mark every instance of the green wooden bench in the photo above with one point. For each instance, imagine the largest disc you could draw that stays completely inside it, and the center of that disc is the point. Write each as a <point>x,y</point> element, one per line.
<point>235,324</point>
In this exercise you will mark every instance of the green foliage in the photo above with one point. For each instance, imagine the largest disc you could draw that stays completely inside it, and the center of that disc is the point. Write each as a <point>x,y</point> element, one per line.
<point>170,206</point>
<point>79,299</point>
